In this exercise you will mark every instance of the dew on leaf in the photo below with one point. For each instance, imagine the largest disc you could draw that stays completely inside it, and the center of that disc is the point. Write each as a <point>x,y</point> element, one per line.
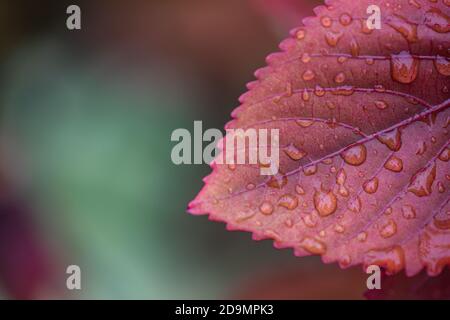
<point>325,202</point>
<point>422,181</point>
<point>355,156</point>
<point>293,152</point>
<point>391,139</point>
<point>266,208</point>
<point>288,201</point>
<point>371,186</point>
<point>404,68</point>
<point>408,212</point>
<point>313,246</point>
<point>394,164</point>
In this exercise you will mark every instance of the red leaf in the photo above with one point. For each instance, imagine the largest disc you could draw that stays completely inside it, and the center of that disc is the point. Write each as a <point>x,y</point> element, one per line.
<point>363,118</point>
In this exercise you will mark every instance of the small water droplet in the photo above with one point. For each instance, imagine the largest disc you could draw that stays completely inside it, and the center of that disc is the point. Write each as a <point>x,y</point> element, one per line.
<point>394,164</point>
<point>326,21</point>
<point>355,156</point>
<point>421,148</point>
<point>380,104</point>
<point>313,246</point>
<point>445,155</point>
<point>305,95</point>
<point>310,220</point>
<point>354,48</point>
<point>304,123</point>
<point>362,236</point>
<point>293,152</point>
<point>339,78</point>
<point>278,181</point>
<point>391,139</point>
<point>308,75</point>
<point>441,187</point>
<point>404,67</point>
<point>408,212</point>
<point>341,176</point>
<point>414,3</point>
<point>388,211</point>
<point>345,261</point>
<point>299,189</point>
<point>266,208</point>
<point>338,228</point>
<point>325,202</point>
<point>322,233</point>
<point>306,57</point>
<point>370,61</point>
<point>232,167</point>
<point>289,223</point>
<point>422,181</point>
<point>333,38</point>
<point>342,59</point>
<point>310,170</point>
<point>371,186</point>
<point>319,91</point>
<point>345,19</point>
<point>389,229</point>
<point>288,201</point>
<point>355,204</point>
<point>250,186</point>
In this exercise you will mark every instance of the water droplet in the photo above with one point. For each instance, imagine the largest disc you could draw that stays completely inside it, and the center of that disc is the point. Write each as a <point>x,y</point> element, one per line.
<point>370,61</point>
<point>339,78</point>
<point>306,58</point>
<point>304,123</point>
<point>391,139</point>
<point>404,27</point>
<point>313,246</point>
<point>362,236</point>
<point>421,148</point>
<point>388,211</point>
<point>278,181</point>
<point>445,155</point>
<point>394,164</point>
<point>343,91</point>
<point>250,186</point>
<point>288,201</point>
<point>322,233</point>
<point>333,38</point>
<point>355,204</point>
<point>310,170</point>
<point>341,176</point>
<point>299,190</point>
<point>408,212</point>
<point>437,20</point>
<point>404,67</point>
<point>441,187</point>
<point>319,91</point>
<point>338,228</point>
<point>310,220</point>
<point>354,48</point>
<point>232,167</point>
<point>345,19</point>
<point>443,224</point>
<point>327,161</point>
<point>422,181</point>
<point>380,104</point>
<point>266,208</point>
<point>355,156</point>
<point>325,202</point>
<point>342,59</point>
<point>442,65</point>
<point>300,35</point>
<point>371,186</point>
<point>345,261</point>
<point>392,259</point>
<point>305,95</point>
<point>343,191</point>
<point>389,229</point>
<point>308,75</point>
<point>326,21</point>
<point>293,152</point>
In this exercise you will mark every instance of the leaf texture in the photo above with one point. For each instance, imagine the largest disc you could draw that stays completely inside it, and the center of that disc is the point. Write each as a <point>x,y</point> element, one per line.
<point>364,140</point>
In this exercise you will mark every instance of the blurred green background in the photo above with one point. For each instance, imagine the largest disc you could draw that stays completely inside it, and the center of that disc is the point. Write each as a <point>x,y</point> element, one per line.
<point>85,170</point>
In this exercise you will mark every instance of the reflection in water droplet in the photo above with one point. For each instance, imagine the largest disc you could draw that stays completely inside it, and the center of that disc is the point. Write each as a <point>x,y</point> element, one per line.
<point>288,201</point>
<point>437,20</point>
<point>408,212</point>
<point>404,67</point>
<point>389,229</point>
<point>313,246</point>
<point>355,156</point>
<point>266,208</point>
<point>381,104</point>
<point>391,139</point>
<point>371,186</point>
<point>325,202</point>
<point>394,164</point>
<point>442,65</point>
<point>355,204</point>
<point>293,152</point>
<point>422,181</point>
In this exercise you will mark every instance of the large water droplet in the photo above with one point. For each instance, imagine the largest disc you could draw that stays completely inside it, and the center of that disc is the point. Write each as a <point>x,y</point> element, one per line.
<point>371,186</point>
<point>394,164</point>
<point>266,208</point>
<point>404,67</point>
<point>408,212</point>
<point>422,181</point>
<point>288,201</point>
<point>325,202</point>
<point>391,139</point>
<point>293,152</point>
<point>313,246</point>
<point>355,156</point>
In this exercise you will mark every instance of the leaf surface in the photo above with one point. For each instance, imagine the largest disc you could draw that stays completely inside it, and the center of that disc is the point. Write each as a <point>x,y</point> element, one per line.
<point>364,140</point>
